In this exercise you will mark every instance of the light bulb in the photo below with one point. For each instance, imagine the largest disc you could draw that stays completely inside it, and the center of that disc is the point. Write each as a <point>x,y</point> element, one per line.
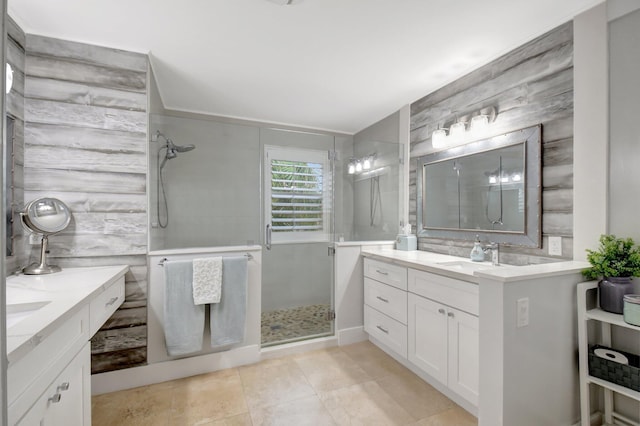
<point>366,165</point>
<point>439,138</point>
<point>358,166</point>
<point>504,179</point>
<point>352,168</point>
<point>457,131</point>
<point>493,179</point>
<point>516,177</point>
<point>479,124</point>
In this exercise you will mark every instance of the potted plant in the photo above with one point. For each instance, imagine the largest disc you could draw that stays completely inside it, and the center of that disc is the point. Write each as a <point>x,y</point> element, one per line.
<point>616,261</point>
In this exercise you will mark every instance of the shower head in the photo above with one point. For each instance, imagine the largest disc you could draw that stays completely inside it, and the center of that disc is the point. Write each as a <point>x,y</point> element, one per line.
<point>178,148</point>
<point>171,148</point>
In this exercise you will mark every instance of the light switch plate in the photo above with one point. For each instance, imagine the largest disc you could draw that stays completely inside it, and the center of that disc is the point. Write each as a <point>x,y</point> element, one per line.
<point>522,315</point>
<point>555,246</point>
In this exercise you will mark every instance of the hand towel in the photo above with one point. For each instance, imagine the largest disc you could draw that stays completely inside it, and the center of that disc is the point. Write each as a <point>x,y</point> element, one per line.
<point>227,318</point>
<point>183,321</point>
<point>207,280</point>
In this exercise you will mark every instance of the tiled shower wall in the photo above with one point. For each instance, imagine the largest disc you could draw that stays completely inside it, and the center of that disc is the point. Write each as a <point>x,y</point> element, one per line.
<point>85,143</point>
<point>530,85</point>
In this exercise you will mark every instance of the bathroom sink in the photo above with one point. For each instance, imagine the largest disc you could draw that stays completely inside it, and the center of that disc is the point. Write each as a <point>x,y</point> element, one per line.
<point>17,312</point>
<point>466,266</point>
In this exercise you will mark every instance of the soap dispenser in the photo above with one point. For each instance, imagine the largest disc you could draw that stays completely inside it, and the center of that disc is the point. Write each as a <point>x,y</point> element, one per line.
<point>477,254</point>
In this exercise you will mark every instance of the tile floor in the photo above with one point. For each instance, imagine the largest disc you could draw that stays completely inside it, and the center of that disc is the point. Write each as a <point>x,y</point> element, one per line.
<point>291,324</point>
<point>350,385</point>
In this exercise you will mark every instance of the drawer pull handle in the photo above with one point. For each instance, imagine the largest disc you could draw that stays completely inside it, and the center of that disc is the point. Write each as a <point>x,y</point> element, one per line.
<point>381,328</point>
<point>64,386</point>
<point>441,311</point>
<point>382,272</point>
<point>450,314</point>
<point>111,301</point>
<point>382,299</point>
<point>55,398</point>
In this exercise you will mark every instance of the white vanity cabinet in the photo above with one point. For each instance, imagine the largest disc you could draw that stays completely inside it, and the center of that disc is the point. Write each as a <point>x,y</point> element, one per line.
<point>443,330</point>
<point>49,374</point>
<point>67,401</point>
<point>428,319</point>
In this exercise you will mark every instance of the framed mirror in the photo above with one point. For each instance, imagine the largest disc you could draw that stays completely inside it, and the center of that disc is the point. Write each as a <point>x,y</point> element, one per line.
<point>490,188</point>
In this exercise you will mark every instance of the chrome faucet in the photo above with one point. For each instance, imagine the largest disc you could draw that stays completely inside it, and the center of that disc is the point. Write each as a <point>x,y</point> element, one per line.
<point>495,253</point>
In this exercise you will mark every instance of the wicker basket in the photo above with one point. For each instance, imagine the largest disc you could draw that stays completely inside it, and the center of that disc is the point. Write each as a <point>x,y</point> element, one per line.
<point>614,372</point>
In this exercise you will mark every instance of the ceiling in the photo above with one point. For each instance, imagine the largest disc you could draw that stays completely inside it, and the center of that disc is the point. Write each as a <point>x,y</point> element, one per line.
<point>337,65</point>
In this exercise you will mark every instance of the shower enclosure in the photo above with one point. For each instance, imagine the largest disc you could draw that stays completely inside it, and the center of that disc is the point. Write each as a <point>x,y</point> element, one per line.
<point>290,192</point>
<point>240,179</point>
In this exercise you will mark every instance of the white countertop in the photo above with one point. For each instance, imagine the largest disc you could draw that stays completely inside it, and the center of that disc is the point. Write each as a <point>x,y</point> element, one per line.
<point>465,269</point>
<point>67,292</point>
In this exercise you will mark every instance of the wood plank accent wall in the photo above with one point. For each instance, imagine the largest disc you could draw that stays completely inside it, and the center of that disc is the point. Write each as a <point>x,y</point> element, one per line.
<point>16,41</point>
<point>530,85</point>
<point>86,144</point>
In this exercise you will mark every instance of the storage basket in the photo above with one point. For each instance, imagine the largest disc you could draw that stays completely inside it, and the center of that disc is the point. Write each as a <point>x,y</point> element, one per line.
<point>614,372</point>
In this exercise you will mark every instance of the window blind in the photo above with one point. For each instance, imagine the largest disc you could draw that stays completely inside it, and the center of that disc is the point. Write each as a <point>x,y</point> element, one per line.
<point>296,196</point>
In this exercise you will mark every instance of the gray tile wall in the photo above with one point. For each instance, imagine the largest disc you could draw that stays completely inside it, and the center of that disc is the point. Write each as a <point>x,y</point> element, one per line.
<point>530,85</point>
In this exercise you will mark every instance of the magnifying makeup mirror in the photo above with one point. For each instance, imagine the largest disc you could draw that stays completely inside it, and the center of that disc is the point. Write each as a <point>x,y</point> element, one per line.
<point>44,216</point>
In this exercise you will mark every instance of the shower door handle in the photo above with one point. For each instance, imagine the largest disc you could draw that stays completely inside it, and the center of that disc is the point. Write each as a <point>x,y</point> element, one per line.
<point>268,237</point>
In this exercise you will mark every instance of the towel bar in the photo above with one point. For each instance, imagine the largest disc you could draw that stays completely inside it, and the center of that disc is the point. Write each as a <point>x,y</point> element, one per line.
<point>164,259</point>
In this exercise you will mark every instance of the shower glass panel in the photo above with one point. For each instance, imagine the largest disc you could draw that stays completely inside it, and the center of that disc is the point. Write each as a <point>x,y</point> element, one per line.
<point>298,222</point>
<point>212,191</point>
<point>374,190</point>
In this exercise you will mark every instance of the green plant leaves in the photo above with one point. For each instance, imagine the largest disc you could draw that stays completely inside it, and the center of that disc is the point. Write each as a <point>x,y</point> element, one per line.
<point>615,257</point>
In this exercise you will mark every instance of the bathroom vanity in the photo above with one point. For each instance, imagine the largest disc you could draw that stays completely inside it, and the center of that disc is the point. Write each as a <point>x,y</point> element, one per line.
<point>494,339</point>
<point>50,320</point>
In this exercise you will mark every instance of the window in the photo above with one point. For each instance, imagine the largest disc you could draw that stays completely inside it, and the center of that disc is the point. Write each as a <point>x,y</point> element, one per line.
<point>297,194</point>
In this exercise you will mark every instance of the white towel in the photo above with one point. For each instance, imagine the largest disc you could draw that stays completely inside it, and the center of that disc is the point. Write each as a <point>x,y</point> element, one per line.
<point>207,280</point>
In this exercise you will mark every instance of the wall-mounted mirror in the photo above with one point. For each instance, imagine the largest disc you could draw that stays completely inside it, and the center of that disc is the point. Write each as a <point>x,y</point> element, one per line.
<point>45,216</point>
<point>489,188</point>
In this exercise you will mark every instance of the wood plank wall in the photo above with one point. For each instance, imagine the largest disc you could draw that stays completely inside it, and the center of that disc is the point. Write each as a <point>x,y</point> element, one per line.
<point>16,41</point>
<point>86,144</point>
<point>530,85</point>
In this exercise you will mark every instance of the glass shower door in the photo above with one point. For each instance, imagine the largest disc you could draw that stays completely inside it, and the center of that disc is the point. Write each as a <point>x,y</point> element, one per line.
<point>297,275</point>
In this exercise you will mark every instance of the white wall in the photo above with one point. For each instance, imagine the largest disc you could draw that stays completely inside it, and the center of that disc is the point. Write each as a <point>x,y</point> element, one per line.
<point>590,149</point>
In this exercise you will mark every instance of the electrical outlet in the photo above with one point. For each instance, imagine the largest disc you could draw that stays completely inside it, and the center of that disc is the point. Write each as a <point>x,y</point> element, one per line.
<point>522,312</point>
<point>555,246</point>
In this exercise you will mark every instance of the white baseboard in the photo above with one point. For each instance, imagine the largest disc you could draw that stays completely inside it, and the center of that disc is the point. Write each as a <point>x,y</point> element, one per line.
<point>348,336</point>
<point>174,369</point>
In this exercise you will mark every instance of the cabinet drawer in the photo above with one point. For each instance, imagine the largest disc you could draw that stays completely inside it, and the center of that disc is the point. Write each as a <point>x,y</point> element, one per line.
<point>386,273</point>
<point>387,330</point>
<point>105,304</point>
<point>386,299</point>
<point>458,294</point>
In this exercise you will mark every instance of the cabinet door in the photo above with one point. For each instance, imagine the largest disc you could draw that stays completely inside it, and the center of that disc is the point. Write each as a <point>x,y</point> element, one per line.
<point>427,340</point>
<point>464,354</point>
<point>67,401</point>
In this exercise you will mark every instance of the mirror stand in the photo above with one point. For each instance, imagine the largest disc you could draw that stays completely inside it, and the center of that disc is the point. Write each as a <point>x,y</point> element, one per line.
<point>42,267</point>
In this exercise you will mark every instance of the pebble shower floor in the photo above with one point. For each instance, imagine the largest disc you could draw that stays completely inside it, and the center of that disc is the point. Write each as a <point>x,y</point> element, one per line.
<point>294,323</point>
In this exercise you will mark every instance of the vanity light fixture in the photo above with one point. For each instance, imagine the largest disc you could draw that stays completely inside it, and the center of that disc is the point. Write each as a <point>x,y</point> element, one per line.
<point>362,164</point>
<point>459,133</point>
